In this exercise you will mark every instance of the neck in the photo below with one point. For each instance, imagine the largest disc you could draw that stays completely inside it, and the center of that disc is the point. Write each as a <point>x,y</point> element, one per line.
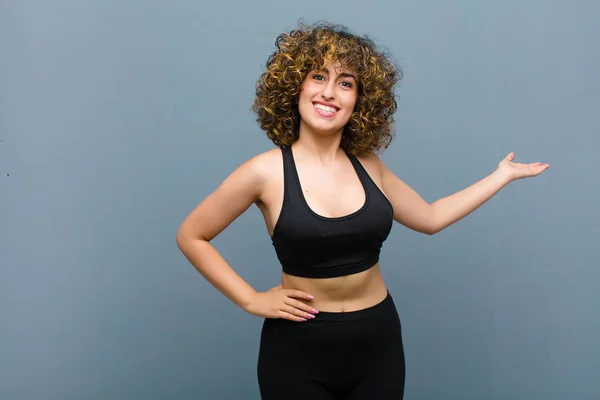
<point>322,146</point>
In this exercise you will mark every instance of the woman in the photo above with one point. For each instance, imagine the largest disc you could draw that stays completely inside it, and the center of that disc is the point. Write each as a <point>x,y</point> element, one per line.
<point>330,329</point>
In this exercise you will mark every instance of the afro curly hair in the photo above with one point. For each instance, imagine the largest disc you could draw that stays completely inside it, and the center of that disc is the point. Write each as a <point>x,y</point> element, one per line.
<point>308,48</point>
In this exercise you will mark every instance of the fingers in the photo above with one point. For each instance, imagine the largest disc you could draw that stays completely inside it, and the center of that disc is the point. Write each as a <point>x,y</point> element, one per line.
<point>300,306</point>
<point>291,317</point>
<point>539,167</point>
<point>292,293</point>
<point>297,312</point>
<point>298,294</point>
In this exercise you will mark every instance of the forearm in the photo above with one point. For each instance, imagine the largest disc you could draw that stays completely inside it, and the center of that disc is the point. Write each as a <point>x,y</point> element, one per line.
<point>450,209</point>
<point>211,265</point>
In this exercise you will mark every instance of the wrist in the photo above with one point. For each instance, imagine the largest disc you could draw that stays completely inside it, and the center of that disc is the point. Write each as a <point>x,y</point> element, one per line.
<point>246,300</point>
<point>504,177</point>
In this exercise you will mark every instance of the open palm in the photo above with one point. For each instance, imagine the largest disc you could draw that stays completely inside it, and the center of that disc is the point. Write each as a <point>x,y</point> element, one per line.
<point>517,170</point>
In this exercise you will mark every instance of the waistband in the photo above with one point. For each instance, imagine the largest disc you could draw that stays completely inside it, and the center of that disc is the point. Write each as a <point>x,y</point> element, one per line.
<point>384,305</point>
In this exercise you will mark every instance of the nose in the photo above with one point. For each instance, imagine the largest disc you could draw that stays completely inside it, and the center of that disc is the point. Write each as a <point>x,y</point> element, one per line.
<point>329,90</point>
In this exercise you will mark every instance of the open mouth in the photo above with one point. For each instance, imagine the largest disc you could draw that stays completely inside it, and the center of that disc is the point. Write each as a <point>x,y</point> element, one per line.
<point>325,111</point>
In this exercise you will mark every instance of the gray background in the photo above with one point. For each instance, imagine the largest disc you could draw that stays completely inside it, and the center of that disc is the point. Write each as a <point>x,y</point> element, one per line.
<point>118,117</point>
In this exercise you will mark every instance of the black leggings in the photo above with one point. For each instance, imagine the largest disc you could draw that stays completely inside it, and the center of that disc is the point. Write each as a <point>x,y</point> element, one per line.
<point>347,355</point>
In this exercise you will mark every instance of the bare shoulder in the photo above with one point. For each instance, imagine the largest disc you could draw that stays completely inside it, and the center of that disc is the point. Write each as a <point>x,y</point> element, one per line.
<point>243,187</point>
<point>374,166</point>
<point>263,171</point>
<point>264,164</point>
<point>259,168</point>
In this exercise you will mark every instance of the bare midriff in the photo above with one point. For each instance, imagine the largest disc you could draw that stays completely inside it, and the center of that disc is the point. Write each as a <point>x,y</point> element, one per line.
<point>341,294</point>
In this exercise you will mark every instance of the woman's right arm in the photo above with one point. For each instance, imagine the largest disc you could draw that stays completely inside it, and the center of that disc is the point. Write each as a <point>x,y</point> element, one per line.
<point>233,197</point>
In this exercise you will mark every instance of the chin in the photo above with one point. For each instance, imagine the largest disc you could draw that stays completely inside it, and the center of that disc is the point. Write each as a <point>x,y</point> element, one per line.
<point>321,127</point>
<point>325,129</point>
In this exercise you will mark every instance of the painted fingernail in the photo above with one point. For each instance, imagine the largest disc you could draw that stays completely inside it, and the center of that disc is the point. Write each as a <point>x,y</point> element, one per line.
<point>311,316</point>
<point>303,319</point>
<point>311,297</point>
<point>312,310</point>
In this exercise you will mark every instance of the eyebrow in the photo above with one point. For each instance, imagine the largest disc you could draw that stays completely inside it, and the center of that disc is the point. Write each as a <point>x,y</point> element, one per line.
<point>343,74</point>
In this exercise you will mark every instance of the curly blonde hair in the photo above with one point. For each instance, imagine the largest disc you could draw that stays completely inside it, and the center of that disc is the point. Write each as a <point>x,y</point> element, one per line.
<point>309,48</point>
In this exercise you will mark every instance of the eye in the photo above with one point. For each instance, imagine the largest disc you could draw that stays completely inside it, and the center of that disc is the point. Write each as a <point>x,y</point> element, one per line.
<point>349,85</point>
<point>318,77</point>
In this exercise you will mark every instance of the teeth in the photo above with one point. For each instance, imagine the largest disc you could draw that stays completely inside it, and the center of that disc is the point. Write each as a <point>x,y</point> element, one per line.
<point>325,108</point>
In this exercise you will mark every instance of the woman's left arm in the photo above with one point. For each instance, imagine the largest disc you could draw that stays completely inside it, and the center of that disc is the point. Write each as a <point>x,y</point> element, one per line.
<point>415,213</point>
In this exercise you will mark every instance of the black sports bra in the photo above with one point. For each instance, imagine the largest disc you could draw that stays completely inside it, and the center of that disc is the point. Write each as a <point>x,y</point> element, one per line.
<point>310,245</point>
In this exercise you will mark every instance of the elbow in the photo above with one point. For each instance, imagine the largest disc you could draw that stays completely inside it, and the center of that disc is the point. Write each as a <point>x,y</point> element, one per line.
<point>182,237</point>
<point>432,229</point>
<point>436,229</point>
<point>179,239</point>
<point>185,236</point>
<point>426,230</point>
<point>434,225</point>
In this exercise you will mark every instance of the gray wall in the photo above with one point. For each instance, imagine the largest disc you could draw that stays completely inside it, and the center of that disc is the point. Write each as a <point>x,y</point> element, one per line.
<point>117,118</point>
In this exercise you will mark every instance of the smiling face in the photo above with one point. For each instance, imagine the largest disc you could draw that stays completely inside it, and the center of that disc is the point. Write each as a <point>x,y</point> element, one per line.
<point>327,99</point>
